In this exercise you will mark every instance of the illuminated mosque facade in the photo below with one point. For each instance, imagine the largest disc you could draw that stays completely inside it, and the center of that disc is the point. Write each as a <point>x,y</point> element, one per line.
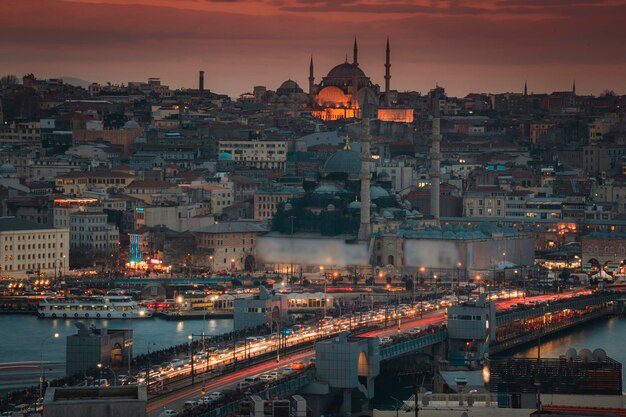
<point>346,92</point>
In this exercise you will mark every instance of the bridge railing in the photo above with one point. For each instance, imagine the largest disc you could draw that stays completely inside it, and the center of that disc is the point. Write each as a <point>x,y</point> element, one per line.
<point>278,390</point>
<point>556,306</point>
<point>408,346</point>
<point>551,328</point>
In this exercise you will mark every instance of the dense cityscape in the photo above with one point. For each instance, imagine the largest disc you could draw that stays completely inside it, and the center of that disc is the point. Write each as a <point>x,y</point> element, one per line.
<point>328,246</point>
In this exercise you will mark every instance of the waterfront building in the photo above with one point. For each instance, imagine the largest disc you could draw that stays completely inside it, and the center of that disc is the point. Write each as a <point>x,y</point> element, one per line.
<point>264,309</point>
<point>124,401</point>
<point>470,328</point>
<point>91,346</point>
<point>27,247</point>
<point>606,250</point>
<point>346,365</point>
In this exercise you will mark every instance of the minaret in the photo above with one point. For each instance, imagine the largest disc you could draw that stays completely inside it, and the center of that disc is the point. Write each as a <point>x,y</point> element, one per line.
<point>435,172</point>
<point>525,88</point>
<point>355,93</point>
<point>365,229</point>
<point>387,74</point>
<point>574,87</point>
<point>201,84</point>
<point>356,53</point>
<point>311,76</point>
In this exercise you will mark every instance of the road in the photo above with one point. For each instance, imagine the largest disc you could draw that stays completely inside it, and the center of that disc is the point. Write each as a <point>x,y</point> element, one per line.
<point>175,400</point>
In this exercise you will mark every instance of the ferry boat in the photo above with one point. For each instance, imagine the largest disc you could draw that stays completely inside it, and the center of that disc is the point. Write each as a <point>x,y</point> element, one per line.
<point>108,307</point>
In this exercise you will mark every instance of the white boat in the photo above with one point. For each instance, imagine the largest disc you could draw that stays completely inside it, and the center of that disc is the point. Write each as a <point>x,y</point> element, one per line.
<point>107,307</point>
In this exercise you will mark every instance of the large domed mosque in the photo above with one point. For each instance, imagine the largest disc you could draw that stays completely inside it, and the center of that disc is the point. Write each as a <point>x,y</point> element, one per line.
<point>346,92</point>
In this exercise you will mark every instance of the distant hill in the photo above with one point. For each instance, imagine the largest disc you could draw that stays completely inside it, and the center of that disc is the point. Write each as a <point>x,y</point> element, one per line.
<point>75,81</point>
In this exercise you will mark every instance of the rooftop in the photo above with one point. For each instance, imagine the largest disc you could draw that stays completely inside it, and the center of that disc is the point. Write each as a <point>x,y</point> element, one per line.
<point>11,224</point>
<point>234,227</point>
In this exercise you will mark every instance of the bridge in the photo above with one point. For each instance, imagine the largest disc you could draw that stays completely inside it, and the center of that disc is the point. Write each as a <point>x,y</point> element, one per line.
<point>513,327</point>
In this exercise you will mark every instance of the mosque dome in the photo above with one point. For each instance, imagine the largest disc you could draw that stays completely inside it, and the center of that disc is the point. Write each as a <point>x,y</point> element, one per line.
<point>355,205</point>
<point>225,156</point>
<point>343,162</point>
<point>131,125</point>
<point>345,70</point>
<point>378,192</point>
<point>383,175</point>
<point>7,169</point>
<point>288,87</point>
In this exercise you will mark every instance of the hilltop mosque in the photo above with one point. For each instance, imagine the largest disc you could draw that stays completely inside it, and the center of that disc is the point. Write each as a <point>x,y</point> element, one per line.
<point>346,92</point>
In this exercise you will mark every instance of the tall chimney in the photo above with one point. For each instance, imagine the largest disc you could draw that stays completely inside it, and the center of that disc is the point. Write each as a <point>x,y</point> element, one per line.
<point>201,84</point>
<point>435,172</point>
<point>365,228</point>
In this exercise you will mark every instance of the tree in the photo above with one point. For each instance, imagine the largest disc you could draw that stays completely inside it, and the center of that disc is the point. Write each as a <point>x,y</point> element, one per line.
<point>608,93</point>
<point>9,79</point>
<point>114,120</point>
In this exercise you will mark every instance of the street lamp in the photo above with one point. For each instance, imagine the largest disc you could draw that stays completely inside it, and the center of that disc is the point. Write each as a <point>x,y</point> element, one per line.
<point>190,337</point>
<point>42,379</point>
<point>100,366</point>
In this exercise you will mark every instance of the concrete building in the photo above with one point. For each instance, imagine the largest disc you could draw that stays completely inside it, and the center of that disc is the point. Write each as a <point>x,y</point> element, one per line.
<point>63,207</point>
<point>125,401</point>
<point>90,233</point>
<point>470,328</point>
<point>26,133</point>
<point>231,244</point>
<point>607,249</point>
<point>26,247</point>
<point>348,365</point>
<point>292,407</point>
<point>89,347</point>
<point>266,202</point>
<point>156,192</point>
<point>180,218</point>
<point>483,250</point>
<point>262,310</point>
<point>270,154</point>
<point>398,173</point>
<point>612,191</point>
<point>77,182</point>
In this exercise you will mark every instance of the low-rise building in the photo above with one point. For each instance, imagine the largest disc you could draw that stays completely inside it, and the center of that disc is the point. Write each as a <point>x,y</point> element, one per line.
<point>77,182</point>
<point>231,244</point>
<point>266,202</point>
<point>180,218</point>
<point>604,248</point>
<point>26,247</point>
<point>124,401</point>
<point>262,310</point>
<point>270,154</point>
<point>92,235</point>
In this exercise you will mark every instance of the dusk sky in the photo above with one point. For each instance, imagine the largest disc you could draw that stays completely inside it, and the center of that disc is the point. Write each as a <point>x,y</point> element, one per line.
<point>464,45</point>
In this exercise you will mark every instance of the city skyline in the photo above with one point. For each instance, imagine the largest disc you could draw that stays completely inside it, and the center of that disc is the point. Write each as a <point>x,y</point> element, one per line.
<point>492,47</point>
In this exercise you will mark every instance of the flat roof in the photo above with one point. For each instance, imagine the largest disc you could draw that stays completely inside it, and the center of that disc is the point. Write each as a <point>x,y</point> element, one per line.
<point>11,224</point>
